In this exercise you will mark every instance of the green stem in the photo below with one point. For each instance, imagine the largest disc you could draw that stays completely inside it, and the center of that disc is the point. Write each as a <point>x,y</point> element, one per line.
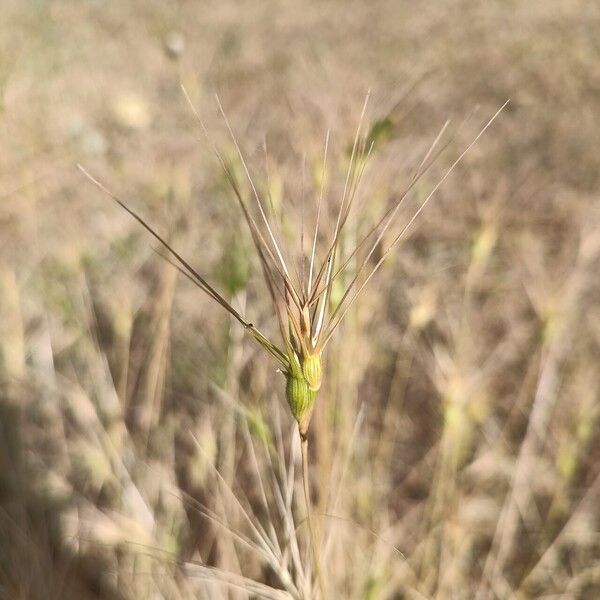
<point>314,541</point>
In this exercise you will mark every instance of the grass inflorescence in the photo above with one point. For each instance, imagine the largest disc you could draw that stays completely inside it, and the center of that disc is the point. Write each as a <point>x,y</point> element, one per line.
<point>302,305</point>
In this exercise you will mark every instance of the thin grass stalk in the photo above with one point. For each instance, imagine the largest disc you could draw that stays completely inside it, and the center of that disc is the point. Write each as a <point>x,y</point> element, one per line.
<point>314,538</point>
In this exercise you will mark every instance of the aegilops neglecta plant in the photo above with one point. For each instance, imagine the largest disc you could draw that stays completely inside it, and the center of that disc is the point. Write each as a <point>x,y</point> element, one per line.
<point>302,304</point>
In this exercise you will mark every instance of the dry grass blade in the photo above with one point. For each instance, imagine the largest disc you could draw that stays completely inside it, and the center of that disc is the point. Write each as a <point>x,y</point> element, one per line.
<point>254,191</point>
<point>318,218</point>
<point>348,195</point>
<point>260,243</point>
<point>335,322</point>
<point>192,274</point>
<point>386,220</point>
<point>234,581</point>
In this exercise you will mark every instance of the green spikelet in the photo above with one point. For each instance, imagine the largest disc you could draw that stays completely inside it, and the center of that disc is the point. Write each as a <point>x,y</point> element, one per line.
<point>312,371</point>
<point>303,380</point>
<point>299,396</point>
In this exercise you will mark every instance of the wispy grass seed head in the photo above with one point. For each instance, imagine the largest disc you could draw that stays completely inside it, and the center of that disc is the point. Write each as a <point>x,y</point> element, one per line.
<point>306,316</point>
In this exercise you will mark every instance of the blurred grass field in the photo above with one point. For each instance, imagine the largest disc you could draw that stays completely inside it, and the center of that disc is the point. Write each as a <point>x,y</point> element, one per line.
<point>143,438</point>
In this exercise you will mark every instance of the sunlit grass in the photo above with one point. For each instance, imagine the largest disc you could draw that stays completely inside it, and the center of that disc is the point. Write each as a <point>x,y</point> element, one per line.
<point>146,445</point>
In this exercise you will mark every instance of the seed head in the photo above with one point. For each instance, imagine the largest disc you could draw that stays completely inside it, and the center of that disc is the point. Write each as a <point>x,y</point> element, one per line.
<point>304,310</point>
<point>312,371</point>
<point>301,400</point>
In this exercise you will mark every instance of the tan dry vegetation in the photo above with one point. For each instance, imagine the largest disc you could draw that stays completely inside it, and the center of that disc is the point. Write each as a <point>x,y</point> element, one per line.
<point>146,450</point>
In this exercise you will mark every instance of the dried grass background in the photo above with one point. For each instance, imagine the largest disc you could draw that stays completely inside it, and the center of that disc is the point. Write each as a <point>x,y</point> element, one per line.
<point>456,442</point>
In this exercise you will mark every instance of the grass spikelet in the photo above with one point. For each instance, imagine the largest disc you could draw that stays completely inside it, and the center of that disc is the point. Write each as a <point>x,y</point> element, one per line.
<point>303,306</point>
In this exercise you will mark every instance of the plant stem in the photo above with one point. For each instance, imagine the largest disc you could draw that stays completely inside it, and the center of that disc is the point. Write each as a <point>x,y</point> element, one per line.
<point>314,540</point>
